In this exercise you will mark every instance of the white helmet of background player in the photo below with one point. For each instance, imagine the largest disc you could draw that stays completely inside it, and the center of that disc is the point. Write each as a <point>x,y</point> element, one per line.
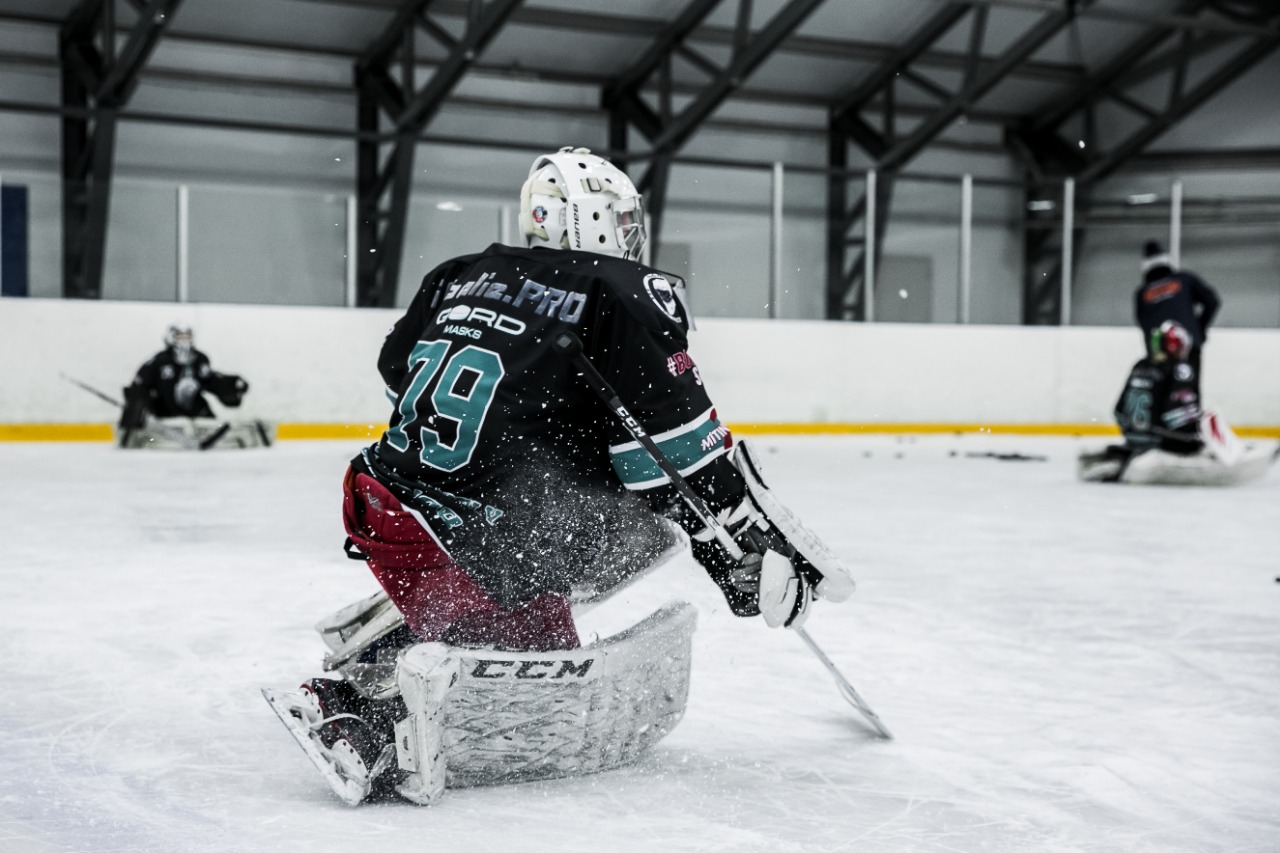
<point>178,338</point>
<point>1171,340</point>
<point>576,200</point>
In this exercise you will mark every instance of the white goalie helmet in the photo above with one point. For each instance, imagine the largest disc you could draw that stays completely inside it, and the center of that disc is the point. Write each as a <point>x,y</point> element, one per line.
<point>574,199</point>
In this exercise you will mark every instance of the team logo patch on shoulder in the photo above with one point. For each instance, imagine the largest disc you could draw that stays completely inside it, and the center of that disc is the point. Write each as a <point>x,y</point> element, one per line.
<point>1183,372</point>
<point>662,294</point>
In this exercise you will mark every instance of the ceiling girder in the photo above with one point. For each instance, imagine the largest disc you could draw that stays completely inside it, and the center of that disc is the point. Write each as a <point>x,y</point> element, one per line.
<point>797,45</point>
<point>1182,101</point>
<point>982,82</point>
<point>98,79</point>
<point>846,291</point>
<point>384,167</point>
<point>666,130</point>
<point>1050,157</point>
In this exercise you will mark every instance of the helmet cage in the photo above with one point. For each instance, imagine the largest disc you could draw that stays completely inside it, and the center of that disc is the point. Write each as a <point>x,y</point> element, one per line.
<point>576,200</point>
<point>180,339</point>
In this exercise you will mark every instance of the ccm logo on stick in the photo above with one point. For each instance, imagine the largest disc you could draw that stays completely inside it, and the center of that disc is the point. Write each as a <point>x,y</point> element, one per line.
<point>531,669</point>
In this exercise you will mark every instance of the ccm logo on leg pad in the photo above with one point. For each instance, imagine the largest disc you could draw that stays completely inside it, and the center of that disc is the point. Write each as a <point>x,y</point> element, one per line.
<point>531,669</point>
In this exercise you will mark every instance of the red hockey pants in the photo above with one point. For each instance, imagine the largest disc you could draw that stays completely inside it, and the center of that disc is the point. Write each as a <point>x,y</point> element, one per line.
<point>438,598</point>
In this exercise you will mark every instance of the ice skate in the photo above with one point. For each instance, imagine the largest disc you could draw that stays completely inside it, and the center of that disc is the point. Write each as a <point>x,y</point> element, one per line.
<point>351,751</point>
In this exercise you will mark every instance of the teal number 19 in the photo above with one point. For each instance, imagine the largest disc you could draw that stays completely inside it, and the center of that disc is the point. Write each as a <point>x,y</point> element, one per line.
<point>468,410</point>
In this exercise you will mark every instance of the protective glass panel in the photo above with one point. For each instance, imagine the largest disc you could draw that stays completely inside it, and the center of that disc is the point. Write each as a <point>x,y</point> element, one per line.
<point>1118,218</point>
<point>142,255</point>
<point>995,284</point>
<point>918,274</point>
<point>716,223</point>
<point>442,228</point>
<point>276,247</point>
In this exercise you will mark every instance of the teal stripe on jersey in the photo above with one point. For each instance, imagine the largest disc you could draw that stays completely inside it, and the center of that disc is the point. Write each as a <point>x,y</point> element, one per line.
<point>689,448</point>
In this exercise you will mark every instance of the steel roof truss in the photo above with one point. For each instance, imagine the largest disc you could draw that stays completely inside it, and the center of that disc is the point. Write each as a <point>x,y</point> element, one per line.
<point>1054,156</point>
<point>667,130</point>
<point>97,81</point>
<point>846,293</point>
<point>384,170</point>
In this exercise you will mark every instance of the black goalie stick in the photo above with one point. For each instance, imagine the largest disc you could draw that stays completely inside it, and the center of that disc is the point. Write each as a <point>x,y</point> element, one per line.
<point>569,345</point>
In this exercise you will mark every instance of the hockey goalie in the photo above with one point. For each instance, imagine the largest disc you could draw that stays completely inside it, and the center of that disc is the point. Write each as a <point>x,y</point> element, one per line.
<point>165,405</point>
<point>503,493</point>
<point>1168,438</point>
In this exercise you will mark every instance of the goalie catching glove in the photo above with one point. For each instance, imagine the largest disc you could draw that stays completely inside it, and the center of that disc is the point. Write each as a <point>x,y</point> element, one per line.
<point>784,565</point>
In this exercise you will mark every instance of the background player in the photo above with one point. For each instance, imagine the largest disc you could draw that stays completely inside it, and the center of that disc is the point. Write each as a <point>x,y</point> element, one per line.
<point>1180,297</point>
<point>173,381</point>
<point>1159,408</point>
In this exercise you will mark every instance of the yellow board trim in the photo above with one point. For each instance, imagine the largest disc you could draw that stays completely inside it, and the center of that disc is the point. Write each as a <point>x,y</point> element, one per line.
<point>314,432</point>
<point>367,432</point>
<point>56,432</point>
<point>900,428</point>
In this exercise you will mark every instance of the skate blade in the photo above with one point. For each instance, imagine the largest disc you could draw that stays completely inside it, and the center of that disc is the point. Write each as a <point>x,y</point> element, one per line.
<point>288,708</point>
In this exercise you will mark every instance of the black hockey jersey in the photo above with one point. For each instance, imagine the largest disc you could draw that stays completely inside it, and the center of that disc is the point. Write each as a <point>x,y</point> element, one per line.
<point>168,389</point>
<point>164,387</point>
<point>487,413</point>
<point>1182,297</point>
<point>1160,408</point>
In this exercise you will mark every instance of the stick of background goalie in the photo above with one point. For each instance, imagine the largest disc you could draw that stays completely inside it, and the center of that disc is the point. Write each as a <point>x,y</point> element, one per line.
<point>153,423</point>
<point>569,345</point>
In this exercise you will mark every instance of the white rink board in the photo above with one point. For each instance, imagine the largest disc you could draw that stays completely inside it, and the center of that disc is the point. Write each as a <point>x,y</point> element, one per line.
<point>318,365</point>
<point>1066,666</point>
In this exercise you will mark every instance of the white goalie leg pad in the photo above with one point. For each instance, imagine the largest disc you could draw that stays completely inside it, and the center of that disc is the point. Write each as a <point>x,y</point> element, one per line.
<point>350,632</point>
<point>836,583</point>
<point>1219,439</point>
<point>519,716</point>
<point>425,673</point>
<point>1157,468</point>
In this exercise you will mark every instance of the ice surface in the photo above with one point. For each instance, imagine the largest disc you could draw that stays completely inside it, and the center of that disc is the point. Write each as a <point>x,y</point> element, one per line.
<point>1067,667</point>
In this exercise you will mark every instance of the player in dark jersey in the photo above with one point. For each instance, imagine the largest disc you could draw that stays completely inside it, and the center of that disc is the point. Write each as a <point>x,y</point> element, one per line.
<point>501,478</point>
<point>1159,408</point>
<point>172,384</point>
<point>503,483</point>
<point>1180,297</point>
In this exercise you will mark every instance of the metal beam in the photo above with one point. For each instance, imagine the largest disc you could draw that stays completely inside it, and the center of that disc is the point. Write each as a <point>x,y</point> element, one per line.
<point>1181,104</point>
<point>799,45</point>
<point>1177,19</point>
<point>850,50</point>
<point>902,58</point>
<point>668,131</point>
<point>384,159</point>
<point>982,83</point>
<point>846,291</point>
<point>889,152</point>
<point>1100,82</point>
<point>97,81</point>
<point>1050,157</point>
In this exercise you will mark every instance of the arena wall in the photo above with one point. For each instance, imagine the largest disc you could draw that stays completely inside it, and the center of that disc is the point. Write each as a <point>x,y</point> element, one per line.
<point>312,370</point>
